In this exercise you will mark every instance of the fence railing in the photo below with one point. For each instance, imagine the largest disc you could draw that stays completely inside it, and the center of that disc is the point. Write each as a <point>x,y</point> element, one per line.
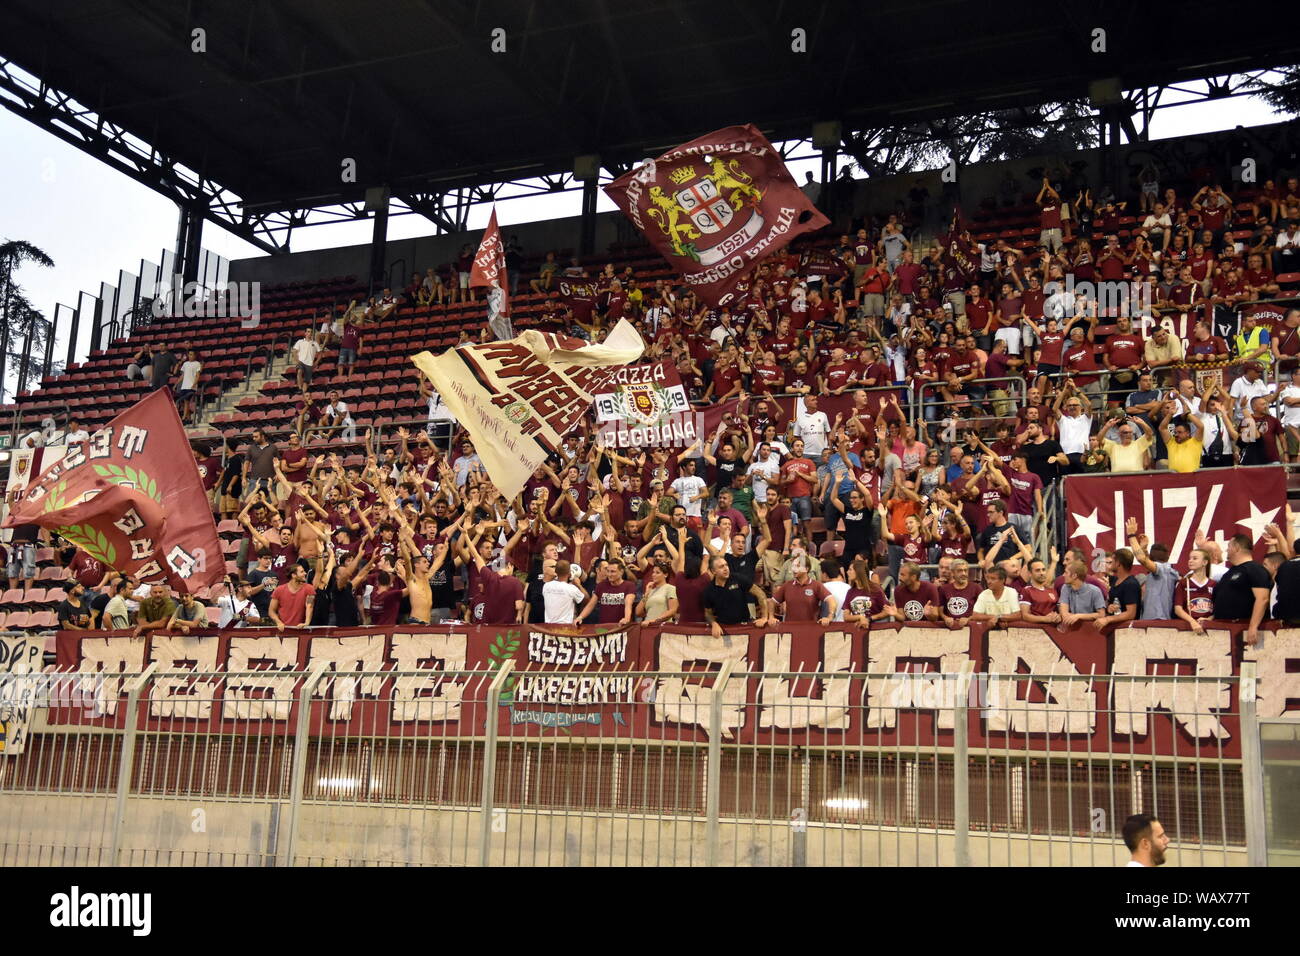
<point>293,767</point>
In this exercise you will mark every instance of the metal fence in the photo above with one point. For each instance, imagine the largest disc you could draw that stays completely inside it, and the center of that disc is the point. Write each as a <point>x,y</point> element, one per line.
<point>539,786</point>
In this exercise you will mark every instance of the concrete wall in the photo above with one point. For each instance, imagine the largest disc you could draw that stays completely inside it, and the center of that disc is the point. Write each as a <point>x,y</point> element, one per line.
<point>38,830</point>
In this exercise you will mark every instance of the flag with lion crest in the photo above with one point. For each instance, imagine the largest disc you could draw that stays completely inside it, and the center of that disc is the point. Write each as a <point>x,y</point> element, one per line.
<point>131,497</point>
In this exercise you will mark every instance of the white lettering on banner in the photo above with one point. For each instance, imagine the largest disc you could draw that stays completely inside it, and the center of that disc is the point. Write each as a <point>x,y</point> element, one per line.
<point>1141,651</point>
<point>1071,705</point>
<point>780,708</point>
<point>348,656</point>
<point>639,374</point>
<point>885,696</point>
<point>1277,671</point>
<point>104,662</point>
<point>258,697</point>
<point>186,697</point>
<point>681,701</point>
<point>577,651</point>
<point>20,667</point>
<point>432,697</point>
<point>574,689</point>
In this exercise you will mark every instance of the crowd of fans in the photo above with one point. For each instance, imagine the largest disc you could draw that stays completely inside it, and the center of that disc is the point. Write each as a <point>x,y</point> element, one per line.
<point>968,377</point>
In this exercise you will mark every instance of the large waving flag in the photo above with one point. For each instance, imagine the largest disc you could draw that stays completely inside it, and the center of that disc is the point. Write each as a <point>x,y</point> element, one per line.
<point>490,270</point>
<point>517,399</point>
<point>715,206</point>
<point>132,498</point>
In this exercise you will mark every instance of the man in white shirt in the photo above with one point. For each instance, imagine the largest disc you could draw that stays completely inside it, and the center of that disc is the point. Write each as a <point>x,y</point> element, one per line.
<point>690,489</point>
<point>833,580</point>
<point>1248,388</point>
<point>305,351</point>
<point>76,433</point>
<point>1289,412</point>
<point>238,609</point>
<point>764,469</point>
<point>813,427</point>
<point>724,331</point>
<point>336,415</point>
<point>1073,427</point>
<point>997,605</point>
<point>562,598</point>
<point>1146,840</point>
<point>187,393</point>
<point>1286,257</point>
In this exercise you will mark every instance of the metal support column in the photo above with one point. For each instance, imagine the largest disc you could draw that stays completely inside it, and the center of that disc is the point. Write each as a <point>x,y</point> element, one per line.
<point>299,771</point>
<point>379,245</point>
<point>713,792</point>
<point>490,760</point>
<point>127,760</point>
<point>587,241</point>
<point>1252,770</point>
<point>192,249</point>
<point>961,764</point>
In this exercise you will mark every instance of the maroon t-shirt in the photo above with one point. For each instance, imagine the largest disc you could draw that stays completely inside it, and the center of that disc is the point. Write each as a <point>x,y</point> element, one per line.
<point>611,600</point>
<point>499,593</point>
<point>912,602</point>
<point>294,464</point>
<point>958,602</point>
<point>384,604</point>
<point>690,598</point>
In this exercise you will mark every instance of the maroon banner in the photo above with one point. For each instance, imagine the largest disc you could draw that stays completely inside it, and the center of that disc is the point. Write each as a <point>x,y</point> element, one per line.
<point>715,206</point>
<point>132,499</point>
<point>1096,693</point>
<point>815,262</point>
<point>1171,508</point>
<point>489,270</point>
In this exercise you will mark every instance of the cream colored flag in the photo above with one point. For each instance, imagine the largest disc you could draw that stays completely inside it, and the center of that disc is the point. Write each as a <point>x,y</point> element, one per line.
<point>518,398</point>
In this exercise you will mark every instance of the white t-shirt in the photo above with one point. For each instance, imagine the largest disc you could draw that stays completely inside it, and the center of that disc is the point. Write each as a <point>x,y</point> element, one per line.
<point>80,435</point>
<point>306,350</point>
<point>813,428</point>
<point>1008,603</point>
<point>562,599</point>
<point>232,607</point>
<point>686,488</point>
<point>1074,433</point>
<point>340,412</point>
<point>721,333</point>
<point>763,472</point>
<point>1250,390</point>
<point>1290,413</point>
<point>190,375</point>
<point>839,590</point>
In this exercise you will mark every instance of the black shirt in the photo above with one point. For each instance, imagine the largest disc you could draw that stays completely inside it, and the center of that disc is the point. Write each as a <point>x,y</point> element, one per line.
<point>1124,594</point>
<point>724,471</point>
<point>1233,600</point>
<point>1288,591</point>
<point>262,599</point>
<point>729,603</point>
<point>76,614</point>
<point>743,567</point>
<point>984,541</point>
<point>857,531</point>
<point>1036,455</point>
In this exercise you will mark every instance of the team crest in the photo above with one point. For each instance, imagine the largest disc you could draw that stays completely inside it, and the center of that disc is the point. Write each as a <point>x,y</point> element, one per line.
<point>644,402</point>
<point>710,208</point>
<point>518,412</point>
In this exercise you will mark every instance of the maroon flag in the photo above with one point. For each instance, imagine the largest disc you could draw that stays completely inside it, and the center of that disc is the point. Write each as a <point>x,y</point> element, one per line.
<point>579,295</point>
<point>816,262</point>
<point>489,270</point>
<point>715,206</point>
<point>1171,507</point>
<point>132,498</point>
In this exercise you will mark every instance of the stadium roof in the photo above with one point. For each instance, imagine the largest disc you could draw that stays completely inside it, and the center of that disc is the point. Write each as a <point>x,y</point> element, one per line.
<point>412,90</point>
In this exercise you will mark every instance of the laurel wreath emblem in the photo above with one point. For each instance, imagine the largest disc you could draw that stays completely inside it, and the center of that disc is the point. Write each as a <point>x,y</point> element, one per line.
<point>93,542</point>
<point>499,651</point>
<point>120,475</point>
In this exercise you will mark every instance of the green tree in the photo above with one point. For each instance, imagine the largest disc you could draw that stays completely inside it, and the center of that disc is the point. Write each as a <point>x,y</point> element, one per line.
<point>24,330</point>
<point>1283,94</point>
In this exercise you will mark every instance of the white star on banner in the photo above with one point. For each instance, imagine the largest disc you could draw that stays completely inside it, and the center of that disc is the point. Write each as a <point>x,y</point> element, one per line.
<point>1087,526</point>
<point>1258,521</point>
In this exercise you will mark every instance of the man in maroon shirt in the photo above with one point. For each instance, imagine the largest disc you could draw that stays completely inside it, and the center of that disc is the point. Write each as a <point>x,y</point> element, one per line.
<point>613,598</point>
<point>292,602</point>
<point>979,312</point>
<point>957,597</point>
<point>802,598</point>
<point>1079,359</point>
<point>914,599</point>
<point>1122,355</point>
<point>907,276</point>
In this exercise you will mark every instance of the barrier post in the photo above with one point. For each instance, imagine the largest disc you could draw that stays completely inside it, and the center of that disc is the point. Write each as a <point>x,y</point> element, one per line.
<point>713,791</point>
<point>1252,769</point>
<point>961,765</point>
<point>133,688</point>
<point>299,771</point>
<point>490,759</point>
